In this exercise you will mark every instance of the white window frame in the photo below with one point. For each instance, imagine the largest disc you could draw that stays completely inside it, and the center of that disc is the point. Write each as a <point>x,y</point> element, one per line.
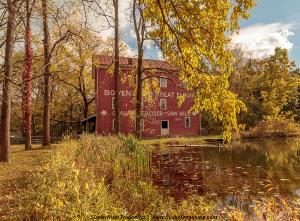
<point>163,82</point>
<point>166,179</point>
<point>185,122</point>
<point>160,104</point>
<point>142,124</point>
<point>113,125</point>
<point>113,99</point>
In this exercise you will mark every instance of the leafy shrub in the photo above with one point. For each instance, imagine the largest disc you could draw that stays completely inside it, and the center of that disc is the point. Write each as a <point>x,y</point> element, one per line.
<point>273,126</point>
<point>63,191</point>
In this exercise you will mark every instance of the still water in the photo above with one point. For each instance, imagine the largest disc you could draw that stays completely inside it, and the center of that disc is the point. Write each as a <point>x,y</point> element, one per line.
<point>237,173</point>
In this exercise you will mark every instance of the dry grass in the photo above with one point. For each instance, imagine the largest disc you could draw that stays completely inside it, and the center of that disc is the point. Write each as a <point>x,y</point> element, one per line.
<point>179,140</point>
<point>22,162</point>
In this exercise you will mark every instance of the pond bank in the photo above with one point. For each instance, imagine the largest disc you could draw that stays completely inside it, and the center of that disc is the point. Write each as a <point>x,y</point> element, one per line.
<point>277,127</point>
<point>179,140</point>
<point>251,135</point>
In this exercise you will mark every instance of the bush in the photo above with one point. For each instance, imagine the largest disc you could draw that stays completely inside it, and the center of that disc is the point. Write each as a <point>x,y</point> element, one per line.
<point>275,126</point>
<point>66,190</point>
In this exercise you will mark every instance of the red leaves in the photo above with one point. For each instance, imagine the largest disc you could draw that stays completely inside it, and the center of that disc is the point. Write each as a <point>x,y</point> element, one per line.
<point>27,77</point>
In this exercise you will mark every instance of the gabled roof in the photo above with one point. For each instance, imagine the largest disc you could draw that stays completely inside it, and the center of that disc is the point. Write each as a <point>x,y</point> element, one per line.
<point>106,61</point>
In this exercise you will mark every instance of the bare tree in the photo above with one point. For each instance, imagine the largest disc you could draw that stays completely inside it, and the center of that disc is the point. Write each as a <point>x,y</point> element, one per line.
<point>139,27</point>
<point>117,67</point>
<point>47,65</point>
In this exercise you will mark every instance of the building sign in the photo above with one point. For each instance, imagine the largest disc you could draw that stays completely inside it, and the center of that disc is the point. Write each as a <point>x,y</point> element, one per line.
<point>159,113</point>
<point>130,93</point>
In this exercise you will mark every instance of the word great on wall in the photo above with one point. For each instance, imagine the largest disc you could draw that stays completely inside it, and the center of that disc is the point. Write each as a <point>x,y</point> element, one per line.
<point>128,93</point>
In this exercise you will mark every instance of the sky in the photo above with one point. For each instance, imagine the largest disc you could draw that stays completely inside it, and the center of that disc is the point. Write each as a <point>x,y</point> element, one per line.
<point>273,23</point>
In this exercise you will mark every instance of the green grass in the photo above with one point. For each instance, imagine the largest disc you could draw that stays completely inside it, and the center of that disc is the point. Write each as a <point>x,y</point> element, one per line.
<point>179,140</point>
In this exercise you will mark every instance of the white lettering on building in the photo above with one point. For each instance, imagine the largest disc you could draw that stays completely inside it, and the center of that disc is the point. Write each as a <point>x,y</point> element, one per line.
<point>159,113</point>
<point>129,93</point>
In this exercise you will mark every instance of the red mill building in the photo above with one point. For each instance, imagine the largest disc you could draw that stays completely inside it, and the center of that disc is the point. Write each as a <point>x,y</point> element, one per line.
<point>161,117</point>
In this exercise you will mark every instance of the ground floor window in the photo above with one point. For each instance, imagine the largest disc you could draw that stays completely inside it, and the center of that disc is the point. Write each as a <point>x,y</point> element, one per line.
<point>165,128</point>
<point>142,125</point>
<point>187,122</point>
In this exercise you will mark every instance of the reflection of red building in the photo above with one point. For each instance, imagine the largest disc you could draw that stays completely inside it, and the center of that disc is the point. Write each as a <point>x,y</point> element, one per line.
<point>179,171</point>
<point>163,117</point>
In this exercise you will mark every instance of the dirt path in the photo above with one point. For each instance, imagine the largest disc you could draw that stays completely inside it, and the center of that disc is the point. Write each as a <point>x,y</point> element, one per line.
<point>22,162</point>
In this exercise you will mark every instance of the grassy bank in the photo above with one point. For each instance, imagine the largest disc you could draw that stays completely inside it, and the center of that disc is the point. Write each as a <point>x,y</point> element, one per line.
<point>179,140</point>
<point>277,127</point>
<point>101,176</point>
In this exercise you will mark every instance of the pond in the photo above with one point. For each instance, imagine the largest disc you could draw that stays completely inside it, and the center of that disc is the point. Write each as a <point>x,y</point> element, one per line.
<point>238,173</point>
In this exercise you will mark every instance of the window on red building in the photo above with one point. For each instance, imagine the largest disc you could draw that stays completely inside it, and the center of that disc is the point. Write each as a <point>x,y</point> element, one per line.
<point>113,103</point>
<point>142,125</point>
<point>113,125</point>
<point>166,180</point>
<point>163,104</point>
<point>163,82</point>
<point>187,122</point>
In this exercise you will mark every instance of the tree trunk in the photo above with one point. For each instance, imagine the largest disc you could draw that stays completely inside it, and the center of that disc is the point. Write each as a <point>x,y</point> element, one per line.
<point>47,64</point>
<point>33,124</point>
<point>85,113</point>
<point>139,31</point>
<point>116,68</point>
<point>139,95</point>
<point>27,78</point>
<point>85,109</point>
<point>6,97</point>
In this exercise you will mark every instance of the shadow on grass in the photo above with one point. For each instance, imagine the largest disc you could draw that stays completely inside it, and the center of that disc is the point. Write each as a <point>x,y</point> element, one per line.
<point>32,149</point>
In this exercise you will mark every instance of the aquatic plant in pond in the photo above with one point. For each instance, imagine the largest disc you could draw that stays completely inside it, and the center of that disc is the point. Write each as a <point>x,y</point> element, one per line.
<point>111,157</point>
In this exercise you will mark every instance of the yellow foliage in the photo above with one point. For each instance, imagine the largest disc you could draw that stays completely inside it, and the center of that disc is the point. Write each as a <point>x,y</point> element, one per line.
<point>194,35</point>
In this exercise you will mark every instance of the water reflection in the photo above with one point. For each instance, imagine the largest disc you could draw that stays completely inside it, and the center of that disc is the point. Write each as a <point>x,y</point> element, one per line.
<point>180,171</point>
<point>239,173</point>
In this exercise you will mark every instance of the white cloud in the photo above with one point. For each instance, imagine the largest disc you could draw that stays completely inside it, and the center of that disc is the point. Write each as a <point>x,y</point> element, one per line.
<point>261,39</point>
<point>130,51</point>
